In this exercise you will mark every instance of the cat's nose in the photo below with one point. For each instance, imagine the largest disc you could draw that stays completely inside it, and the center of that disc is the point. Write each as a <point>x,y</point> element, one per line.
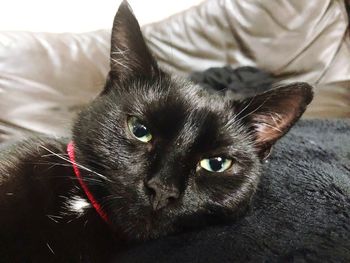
<point>160,194</point>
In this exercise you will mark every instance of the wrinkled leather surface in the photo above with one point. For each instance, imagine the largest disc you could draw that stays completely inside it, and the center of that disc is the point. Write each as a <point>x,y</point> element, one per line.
<point>296,40</point>
<point>46,78</point>
<point>301,38</point>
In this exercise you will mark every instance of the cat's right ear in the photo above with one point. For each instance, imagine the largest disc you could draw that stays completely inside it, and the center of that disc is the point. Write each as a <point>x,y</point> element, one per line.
<point>130,56</point>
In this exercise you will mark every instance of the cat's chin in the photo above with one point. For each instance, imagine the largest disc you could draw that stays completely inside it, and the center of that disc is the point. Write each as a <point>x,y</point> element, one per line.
<point>146,227</point>
<point>150,224</point>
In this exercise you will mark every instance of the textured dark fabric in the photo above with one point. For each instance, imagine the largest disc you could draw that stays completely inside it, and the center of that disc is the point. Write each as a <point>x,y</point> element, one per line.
<point>243,81</point>
<point>301,212</point>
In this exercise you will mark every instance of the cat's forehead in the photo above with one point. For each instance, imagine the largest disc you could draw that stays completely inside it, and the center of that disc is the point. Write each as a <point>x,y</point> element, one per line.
<point>180,96</point>
<point>184,112</point>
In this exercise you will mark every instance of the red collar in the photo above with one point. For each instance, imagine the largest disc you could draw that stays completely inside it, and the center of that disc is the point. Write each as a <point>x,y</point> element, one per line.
<point>95,204</point>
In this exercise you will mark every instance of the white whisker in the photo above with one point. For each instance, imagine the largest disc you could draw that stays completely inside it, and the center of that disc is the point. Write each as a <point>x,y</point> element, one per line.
<point>47,244</point>
<point>120,52</point>
<point>79,165</point>
<point>250,102</point>
<point>119,63</point>
<point>255,110</point>
<point>270,126</point>
<point>50,154</point>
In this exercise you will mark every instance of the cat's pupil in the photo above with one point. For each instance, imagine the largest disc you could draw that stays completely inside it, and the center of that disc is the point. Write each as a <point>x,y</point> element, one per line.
<point>140,130</point>
<point>216,163</point>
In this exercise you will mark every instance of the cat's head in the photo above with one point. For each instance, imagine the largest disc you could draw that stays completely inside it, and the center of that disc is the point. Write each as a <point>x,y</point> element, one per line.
<point>174,155</point>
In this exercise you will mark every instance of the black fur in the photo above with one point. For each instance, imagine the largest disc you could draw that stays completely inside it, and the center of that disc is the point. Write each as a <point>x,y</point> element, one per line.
<point>188,124</point>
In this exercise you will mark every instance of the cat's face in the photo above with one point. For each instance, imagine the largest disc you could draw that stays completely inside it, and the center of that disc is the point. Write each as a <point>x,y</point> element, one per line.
<point>175,156</point>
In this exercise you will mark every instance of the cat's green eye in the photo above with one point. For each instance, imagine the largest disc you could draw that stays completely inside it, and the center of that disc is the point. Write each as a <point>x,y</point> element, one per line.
<point>216,164</point>
<point>139,130</point>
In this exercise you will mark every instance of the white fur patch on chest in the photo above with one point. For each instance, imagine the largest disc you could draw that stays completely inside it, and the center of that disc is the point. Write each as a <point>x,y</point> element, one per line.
<point>77,205</point>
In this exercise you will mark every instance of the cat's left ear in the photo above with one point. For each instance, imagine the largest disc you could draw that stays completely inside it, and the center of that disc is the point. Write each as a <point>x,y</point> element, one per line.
<point>271,114</point>
<point>130,56</point>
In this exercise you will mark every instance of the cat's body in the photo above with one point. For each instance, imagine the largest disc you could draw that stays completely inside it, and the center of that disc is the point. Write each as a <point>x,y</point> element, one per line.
<point>156,155</point>
<point>45,215</point>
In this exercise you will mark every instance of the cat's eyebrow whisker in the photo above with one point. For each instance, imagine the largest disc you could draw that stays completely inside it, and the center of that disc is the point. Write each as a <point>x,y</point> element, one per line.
<point>255,110</point>
<point>250,102</point>
<point>234,120</point>
<point>120,52</point>
<point>78,165</point>
<point>119,63</point>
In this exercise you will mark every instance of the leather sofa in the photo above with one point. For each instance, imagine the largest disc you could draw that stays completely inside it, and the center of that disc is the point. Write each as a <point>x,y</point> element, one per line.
<point>46,78</point>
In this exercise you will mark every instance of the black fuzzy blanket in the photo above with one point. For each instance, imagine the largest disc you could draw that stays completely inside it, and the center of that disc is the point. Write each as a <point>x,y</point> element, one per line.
<point>301,211</point>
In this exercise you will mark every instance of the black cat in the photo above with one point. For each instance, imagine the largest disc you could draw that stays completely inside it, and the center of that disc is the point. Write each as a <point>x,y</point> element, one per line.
<point>152,155</point>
